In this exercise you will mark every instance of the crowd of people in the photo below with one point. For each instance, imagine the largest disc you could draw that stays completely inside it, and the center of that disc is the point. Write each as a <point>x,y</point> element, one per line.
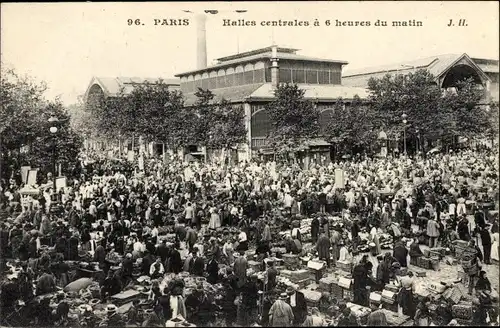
<point>215,214</point>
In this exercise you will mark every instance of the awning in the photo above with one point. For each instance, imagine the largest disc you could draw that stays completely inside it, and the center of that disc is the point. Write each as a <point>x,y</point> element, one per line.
<point>317,142</point>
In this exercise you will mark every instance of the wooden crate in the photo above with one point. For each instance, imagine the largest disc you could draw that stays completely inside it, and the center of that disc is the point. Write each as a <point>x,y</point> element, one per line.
<point>462,310</point>
<point>346,266</point>
<point>439,250</point>
<point>391,307</point>
<point>348,295</point>
<point>303,283</point>
<point>424,262</point>
<point>392,288</point>
<point>291,261</point>
<point>414,261</point>
<point>327,284</point>
<point>298,275</point>
<point>394,318</point>
<point>337,291</point>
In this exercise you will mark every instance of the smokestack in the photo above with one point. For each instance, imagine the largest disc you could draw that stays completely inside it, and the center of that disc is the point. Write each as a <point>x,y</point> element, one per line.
<point>201,41</point>
<point>275,76</point>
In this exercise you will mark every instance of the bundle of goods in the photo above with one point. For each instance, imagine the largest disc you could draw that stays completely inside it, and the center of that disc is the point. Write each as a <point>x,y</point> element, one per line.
<point>114,258</point>
<point>305,229</point>
<point>283,283</point>
<point>361,313</point>
<point>312,297</point>
<point>437,288</point>
<point>396,319</point>
<point>385,241</point>
<point>291,261</point>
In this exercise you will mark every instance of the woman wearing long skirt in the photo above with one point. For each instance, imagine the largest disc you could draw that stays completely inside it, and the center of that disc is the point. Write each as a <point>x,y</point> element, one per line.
<point>495,239</point>
<point>375,240</point>
<point>214,220</point>
<point>405,296</point>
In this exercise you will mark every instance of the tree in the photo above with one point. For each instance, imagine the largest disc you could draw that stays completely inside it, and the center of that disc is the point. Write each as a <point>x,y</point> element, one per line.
<point>23,126</point>
<point>150,110</point>
<point>218,125</point>
<point>430,114</point>
<point>469,119</point>
<point>351,125</point>
<point>415,95</point>
<point>66,141</point>
<point>492,131</point>
<point>293,118</point>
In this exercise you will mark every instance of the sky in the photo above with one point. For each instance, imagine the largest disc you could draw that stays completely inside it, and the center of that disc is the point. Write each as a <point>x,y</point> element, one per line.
<point>66,44</point>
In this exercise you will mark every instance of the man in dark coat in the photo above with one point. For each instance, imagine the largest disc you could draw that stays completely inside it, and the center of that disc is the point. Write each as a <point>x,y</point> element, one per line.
<point>400,252</point>
<point>162,251</point>
<point>323,248</point>
<point>111,286</point>
<point>128,268</point>
<point>213,270</point>
<point>198,265</point>
<point>486,241</point>
<point>147,261</point>
<point>361,281</point>
<point>298,303</point>
<point>314,229</point>
<point>174,261</point>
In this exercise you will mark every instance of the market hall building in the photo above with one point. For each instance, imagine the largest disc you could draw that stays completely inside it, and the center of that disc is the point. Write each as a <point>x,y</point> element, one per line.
<point>249,79</point>
<point>447,70</point>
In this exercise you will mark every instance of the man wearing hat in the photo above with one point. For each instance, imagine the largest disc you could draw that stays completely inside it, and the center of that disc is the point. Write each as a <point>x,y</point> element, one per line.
<point>113,319</point>
<point>298,303</point>
<point>281,313</point>
<point>240,269</point>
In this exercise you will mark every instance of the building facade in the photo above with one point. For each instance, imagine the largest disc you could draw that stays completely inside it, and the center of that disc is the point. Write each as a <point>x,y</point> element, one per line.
<point>447,70</point>
<point>249,79</point>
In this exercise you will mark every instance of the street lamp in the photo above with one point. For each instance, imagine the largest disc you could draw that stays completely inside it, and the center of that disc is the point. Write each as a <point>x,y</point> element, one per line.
<point>404,132</point>
<point>53,121</point>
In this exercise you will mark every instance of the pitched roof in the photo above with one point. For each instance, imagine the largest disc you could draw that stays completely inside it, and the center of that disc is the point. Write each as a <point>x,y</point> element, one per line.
<point>487,65</point>
<point>428,62</point>
<point>436,65</point>
<point>316,92</point>
<point>233,94</point>
<point>111,86</point>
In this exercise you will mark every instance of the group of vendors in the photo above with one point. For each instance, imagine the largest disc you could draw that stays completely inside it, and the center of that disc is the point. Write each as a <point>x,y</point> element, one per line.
<point>207,219</point>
